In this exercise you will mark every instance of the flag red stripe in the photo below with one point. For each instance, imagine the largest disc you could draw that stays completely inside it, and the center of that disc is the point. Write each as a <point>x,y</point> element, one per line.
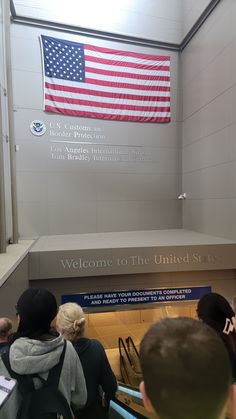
<point>81,90</point>
<point>107,105</point>
<point>127,75</point>
<point>125,63</point>
<point>106,116</point>
<point>127,53</point>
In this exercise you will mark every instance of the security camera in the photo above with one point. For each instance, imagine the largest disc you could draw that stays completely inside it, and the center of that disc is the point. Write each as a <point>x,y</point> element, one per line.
<point>182,196</point>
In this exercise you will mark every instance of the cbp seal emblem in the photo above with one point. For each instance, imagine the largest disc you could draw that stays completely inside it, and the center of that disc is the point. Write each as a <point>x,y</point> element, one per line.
<point>38,127</point>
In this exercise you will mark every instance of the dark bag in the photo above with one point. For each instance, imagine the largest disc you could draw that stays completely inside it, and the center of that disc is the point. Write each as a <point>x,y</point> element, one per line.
<point>46,402</point>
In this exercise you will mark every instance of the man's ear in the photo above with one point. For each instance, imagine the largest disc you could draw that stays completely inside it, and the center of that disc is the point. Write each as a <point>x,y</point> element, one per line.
<point>146,401</point>
<point>231,402</point>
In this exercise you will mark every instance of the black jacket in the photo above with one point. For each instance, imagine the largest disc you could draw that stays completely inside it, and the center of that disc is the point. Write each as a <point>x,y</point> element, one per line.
<point>98,374</point>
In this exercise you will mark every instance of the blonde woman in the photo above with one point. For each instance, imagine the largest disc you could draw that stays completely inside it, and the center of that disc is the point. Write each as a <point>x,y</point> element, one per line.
<point>97,371</point>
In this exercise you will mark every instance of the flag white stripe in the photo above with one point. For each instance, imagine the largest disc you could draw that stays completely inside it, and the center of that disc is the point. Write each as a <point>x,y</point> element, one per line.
<point>107,111</point>
<point>100,99</point>
<point>116,68</point>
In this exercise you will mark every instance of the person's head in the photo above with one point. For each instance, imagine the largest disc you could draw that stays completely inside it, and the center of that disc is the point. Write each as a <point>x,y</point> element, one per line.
<point>70,321</point>
<point>214,310</point>
<point>5,329</point>
<point>36,308</point>
<point>186,370</point>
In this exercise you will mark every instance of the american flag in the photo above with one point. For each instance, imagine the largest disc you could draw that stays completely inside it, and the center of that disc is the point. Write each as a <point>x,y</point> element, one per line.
<point>92,81</point>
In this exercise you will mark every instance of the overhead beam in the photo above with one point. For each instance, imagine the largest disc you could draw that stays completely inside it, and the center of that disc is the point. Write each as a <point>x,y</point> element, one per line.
<point>110,36</point>
<point>195,28</point>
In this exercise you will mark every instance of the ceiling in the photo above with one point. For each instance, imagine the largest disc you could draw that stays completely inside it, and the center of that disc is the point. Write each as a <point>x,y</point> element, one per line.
<point>163,21</point>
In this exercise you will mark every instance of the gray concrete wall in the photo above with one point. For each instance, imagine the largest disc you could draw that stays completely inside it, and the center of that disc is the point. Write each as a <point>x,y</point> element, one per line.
<point>12,288</point>
<point>222,281</point>
<point>209,125</point>
<point>63,197</point>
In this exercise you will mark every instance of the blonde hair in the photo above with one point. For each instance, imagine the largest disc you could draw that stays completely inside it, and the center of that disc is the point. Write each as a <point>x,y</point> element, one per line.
<point>71,320</point>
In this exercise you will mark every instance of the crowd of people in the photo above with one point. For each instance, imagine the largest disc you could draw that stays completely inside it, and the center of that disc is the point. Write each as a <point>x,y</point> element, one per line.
<point>36,348</point>
<point>188,366</point>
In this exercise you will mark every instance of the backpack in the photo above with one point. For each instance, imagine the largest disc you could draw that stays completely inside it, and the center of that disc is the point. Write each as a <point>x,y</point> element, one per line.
<point>46,402</point>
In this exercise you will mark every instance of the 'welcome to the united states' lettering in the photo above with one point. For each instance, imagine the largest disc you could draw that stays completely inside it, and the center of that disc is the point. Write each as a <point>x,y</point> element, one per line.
<point>92,81</point>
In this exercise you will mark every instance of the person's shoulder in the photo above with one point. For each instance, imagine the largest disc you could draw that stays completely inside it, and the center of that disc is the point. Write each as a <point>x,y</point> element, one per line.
<point>97,345</point>
<point>3,369</point>
<point>4,347</point>
<point>71,356</point>
<point>70,351</point>
<point>69,346</point>
<point>3,344</point>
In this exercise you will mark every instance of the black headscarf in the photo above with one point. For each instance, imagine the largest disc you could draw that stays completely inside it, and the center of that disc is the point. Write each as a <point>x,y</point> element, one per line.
<point>37,307</point>
<point>213,309</point>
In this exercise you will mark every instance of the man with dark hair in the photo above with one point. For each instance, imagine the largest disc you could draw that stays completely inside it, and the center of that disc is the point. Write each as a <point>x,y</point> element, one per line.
<point>186,370</point>
<point>5,332</point>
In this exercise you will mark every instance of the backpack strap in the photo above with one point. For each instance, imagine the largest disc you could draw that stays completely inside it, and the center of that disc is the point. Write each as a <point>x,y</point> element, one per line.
<point>25,382</point>
<point>55,373</point>
<point>6,361</point>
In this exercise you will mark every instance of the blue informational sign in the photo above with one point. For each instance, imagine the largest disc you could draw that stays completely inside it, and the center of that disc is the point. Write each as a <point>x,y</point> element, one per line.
<point>118,298</point>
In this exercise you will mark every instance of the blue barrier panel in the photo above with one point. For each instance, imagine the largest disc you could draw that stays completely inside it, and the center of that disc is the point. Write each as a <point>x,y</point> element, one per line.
<point>156,295</point>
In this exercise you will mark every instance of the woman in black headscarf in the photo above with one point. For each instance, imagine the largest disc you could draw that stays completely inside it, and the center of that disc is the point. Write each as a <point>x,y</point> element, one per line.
<point>214,310</point>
